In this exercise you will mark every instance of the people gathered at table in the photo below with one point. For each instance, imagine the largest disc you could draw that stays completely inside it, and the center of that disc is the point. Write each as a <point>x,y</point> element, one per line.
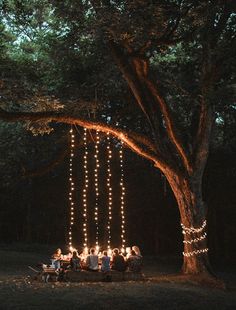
<point>115,260</point>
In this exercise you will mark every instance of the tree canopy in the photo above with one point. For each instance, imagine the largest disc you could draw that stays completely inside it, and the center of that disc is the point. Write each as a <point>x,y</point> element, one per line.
<point>158,74</point>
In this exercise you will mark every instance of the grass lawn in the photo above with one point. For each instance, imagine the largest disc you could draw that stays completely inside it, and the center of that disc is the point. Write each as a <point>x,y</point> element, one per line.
<point>162,289</point>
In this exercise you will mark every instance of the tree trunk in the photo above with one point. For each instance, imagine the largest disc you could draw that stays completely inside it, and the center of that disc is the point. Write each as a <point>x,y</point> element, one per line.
<point>188,193</point>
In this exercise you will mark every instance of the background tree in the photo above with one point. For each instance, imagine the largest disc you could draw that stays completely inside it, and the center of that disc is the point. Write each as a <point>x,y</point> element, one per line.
<point>171,55</point>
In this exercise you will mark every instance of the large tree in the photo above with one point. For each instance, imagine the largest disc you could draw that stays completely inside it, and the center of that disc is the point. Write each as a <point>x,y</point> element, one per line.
<point>142,37</point>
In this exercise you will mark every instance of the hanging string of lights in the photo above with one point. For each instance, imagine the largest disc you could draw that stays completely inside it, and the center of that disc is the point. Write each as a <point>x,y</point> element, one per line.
<point>189,254</point>
<point>96,183</point>
<point>196,239</point>
<point>109,187</point>
<point>85,189</point>
<point>72,185</point>
<point>189,230</point>
<point>97,194</point>
<point>193,231</point>
<point>122,202</point>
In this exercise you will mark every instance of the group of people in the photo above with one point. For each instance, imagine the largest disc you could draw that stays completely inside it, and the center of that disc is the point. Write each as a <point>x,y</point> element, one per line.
<point>105,262</point>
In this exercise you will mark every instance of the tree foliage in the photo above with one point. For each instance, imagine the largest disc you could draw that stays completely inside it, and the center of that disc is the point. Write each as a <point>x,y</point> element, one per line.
<point>159,74</point>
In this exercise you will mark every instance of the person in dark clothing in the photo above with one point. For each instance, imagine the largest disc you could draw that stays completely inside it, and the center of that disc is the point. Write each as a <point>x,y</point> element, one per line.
<point>75,261</point>
<point>134,262</point>
<point>118,262</point>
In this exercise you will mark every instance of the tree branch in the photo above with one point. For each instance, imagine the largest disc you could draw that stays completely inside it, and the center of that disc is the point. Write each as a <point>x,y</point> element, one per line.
<point>170,127</point>
<point>126,70</point>
<point>126,137</point>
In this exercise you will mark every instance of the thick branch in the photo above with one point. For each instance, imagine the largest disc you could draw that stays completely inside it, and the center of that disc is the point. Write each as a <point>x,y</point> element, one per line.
<point>132,71</point>
<point>126,70</point>
<point>171,130</point>
<point>121,134</point>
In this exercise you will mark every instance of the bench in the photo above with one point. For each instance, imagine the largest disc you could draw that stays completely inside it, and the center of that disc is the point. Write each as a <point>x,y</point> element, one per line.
<point>49,273</point>
<point>98,276</point>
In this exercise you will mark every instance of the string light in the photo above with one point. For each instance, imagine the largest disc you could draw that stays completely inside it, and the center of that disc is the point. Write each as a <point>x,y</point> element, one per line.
<point>189,254</point>
<point>189,230</point>
<point>194,240</point>
<point>96,183</point>
<point>122,202</point>
<point>109,187</point>
<point>85,189</point>
<point>72,186</point>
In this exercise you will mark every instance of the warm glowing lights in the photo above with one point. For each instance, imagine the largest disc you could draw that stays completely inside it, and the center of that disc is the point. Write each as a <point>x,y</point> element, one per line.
<point>96,184</point>
<point>109,188</point>
<point>72,188</point>
<point>189,254</point>
<point>122,202</point>
<point>95,211</point>
<point>196,239</point>
<point>189,230</point>
<point>86,181</point>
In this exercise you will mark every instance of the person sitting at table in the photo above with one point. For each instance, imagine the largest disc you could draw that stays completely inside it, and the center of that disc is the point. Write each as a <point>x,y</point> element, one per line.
<point>92,261</point>
<point>137,251</point>
<point>105,266</point>
<point>75,261</point>
<point>118,261</point>
<point>134,262</point>
<point>56,259</point>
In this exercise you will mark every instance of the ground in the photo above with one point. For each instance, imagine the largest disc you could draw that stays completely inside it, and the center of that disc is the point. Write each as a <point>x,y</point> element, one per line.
<point>162,289</point>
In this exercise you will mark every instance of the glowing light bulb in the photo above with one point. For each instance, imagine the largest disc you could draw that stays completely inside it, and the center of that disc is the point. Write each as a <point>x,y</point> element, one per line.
<point>86,181</point>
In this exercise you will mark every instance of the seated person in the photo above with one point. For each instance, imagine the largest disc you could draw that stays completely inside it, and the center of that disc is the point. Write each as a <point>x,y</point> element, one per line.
<point>128,252</point>
<point>136,250</point>
<point>56,259</point>
<point>83,256</point>
<point>92,261</point>
<point>105,267</point>
<point>118,261</point>
<point>75,261</point>
<point>134,262</point>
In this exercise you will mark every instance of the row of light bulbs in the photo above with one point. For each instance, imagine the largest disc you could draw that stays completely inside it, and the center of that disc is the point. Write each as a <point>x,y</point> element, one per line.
<point>72,185</point>
<point>85,189</point>
<point>190,230</point>
<point>96,184</point>
<point>196,252</point>
<point>195,240</point>
<point>109,188</point>
<point>96,170</point>
<point>122,201</point>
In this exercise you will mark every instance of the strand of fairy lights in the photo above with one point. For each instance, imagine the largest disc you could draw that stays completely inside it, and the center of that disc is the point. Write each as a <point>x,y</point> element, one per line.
<point>122,202</point>
<point>96,170</point>
<point>189,230</point>
<point>109,187</point>
<point>193,230</point>
<point>72,185</point>
<point>196,239</point>
<point>85,189</point>
<point>189,254</point>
